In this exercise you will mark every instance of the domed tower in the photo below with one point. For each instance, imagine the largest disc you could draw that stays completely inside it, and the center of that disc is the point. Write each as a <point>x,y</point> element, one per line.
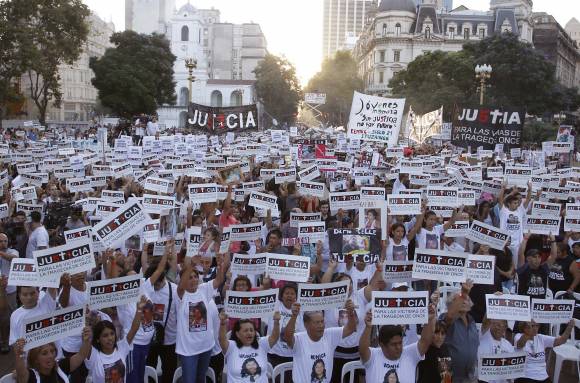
<point>523,14</point>
<point>148,16</point>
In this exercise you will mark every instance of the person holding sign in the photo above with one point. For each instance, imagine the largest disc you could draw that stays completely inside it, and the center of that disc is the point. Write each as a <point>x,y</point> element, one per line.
<point>391,360</point>
<point>246,353</point>
<point>512,214</point>
<point>493,342</point>
<point>313,350</point>
<point>40,364</point>
<point>532,273</point>
<point>195,330</point>
<point>106,359</point>
<point>535,346</point>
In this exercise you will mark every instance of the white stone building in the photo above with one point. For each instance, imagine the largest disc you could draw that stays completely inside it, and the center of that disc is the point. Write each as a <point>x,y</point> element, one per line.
<point>226,54</point>
<point>79,96</point>
<point>401,31</point>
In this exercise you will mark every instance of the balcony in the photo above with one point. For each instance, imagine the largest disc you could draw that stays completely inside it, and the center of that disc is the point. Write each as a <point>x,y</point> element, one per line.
<point>378,88</point>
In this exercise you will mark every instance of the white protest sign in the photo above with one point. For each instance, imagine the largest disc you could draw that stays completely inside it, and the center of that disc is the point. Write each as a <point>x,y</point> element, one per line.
<point>112,195</point>
<point>508,307</point>
<point>457,229</point>
<point>309,174</point>
<point>77,185</point>
<point>372,194</point>
<point>517,175</point>
<point>344,200</point>
<point>395,308</point>
<point>251,304</point>
<point>159,185</point>
<point>23,273</point>
<point>495,172</point>
<point>156,204</point>
<point>480,269</point>
<point>71,258</point>
<point>56,325</point>
<point>543,226</point>
<point>312,231</point>
<point>76,235</point>
<point>284,175</point>
<point>225,240</point>
<point>263,200</point>
<point>114,292</point>
<point>442,196</point>
<point>288,267</point>
<point>322,296</point>
<point>546,209</point>
<point>467,197</point>
<point>249,264</point>
<point>201,193</point>
<point>151,231</point>
<point>375,118</point>
<point>400,204</point>
<point>552,310</point>
<point>398,271</point>
<point>499,367</point>
<point>297,218</point>
<point>440,265</point>
<point>487,235</point>
<point>128,220</point>
<point>4,212</point>
<point>315,189</point>
<point>572,224</point>
<point>248,232</point>
<point>193,240</point>
<point>572,210</point>
<point>408,166</point>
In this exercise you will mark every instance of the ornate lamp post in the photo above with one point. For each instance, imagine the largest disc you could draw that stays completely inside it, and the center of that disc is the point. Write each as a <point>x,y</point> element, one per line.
<point>482,73</point>
<point>190,64</point>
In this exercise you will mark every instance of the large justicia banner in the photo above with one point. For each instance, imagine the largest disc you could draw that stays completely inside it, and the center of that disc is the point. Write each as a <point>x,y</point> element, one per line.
<point>218,120</point>
<point>487,127</point>
<point>375,118</point>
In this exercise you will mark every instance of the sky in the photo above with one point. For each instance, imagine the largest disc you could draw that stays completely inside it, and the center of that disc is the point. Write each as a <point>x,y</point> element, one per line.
<point>293,28</point>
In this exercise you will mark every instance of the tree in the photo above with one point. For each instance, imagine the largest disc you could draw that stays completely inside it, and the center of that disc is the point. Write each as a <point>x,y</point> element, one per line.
<point>434,79</point>
<point>521,78</point>
<point>278,88</point>
<point>44,34</point>
<point>339,79</point>
<point>136,75</point>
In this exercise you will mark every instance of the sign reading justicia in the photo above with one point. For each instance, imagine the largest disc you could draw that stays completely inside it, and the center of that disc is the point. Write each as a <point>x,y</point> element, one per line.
<point>218,120</point>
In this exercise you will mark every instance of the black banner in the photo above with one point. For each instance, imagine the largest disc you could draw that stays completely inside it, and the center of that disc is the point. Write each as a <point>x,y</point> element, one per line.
<point>220,120</point>
<point>487,127</point>
<point>360,244</point>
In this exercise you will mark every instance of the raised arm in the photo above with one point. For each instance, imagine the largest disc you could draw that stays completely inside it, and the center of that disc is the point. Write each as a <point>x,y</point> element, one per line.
<point>351,324</point>
<point>222,267</point>
<point>291,325</point>
<point>454,216</point>
<point>85,351</point>
<point>64,297</point>
<point>275,335</point>
<point>418,224</point>
<point>522,249</point>
<point>427,333</point>
<point>364,343</point>
<point>22,373</point>
<point>528,196</point>
<point>223,334</point>
<point>332,265</point>
<point>136,319</point>
<point>566,334</point>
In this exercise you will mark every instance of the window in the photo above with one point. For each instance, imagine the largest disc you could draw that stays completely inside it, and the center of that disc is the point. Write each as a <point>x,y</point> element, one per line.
<point>398,29</point>
<point>397,56</point>
<point>482,33</point>
<point>428,32</point>
<point>466,33</point>
<point>382,56</point>
<point>381,77</point>
<point>234,53</point>
<point>451,32</point>
<point>384,29</point>
<point>184,33</point>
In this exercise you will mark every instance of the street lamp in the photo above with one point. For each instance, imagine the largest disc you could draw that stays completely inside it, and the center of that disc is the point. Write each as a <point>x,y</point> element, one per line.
<point>190,64</point>
<point>482,73</point>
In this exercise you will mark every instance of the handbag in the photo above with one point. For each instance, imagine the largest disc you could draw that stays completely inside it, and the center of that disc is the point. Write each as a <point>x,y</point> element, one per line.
<point>159,336</point>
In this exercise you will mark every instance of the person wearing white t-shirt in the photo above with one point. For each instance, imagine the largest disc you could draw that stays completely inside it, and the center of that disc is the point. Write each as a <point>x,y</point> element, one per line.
<point>195,330</point>
<point>6,257</point>
<point>492,341</point>
<point>391,362</point>
<point>512,213</point>
<point>535,345</point>
<point>246,354</point>
<point>152,127</point>
<point>38,238</point>
<point>106,361</point>
<point>429,236</point>
<point>313,349</point>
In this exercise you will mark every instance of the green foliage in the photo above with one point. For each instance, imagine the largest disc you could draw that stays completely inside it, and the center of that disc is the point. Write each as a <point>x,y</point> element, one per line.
<point>136,76</point>
<point>278,88</point>
<point>339,79</point>
<point>37,36</point>
<point>536,132</point>
<point>521,78</point>
<point>435,79</point>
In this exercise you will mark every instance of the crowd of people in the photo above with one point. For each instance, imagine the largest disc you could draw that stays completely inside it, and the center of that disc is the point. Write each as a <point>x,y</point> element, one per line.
<point>180,321</point>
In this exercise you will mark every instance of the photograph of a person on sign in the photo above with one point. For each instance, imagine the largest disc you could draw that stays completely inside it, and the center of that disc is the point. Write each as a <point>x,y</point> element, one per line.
<point>354,244</point>
<point>231,174</point>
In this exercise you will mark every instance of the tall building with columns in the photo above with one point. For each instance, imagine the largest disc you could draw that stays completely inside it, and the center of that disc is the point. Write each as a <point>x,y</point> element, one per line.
<point>402,30</point>
<point>226,53</point>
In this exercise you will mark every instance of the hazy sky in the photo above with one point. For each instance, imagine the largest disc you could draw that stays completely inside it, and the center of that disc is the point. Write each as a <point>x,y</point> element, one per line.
<point>293,28</point>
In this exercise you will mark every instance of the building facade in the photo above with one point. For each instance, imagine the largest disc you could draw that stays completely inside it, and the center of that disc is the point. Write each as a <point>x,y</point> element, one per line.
<point>226,54</point>
<point>401,31</point>
<point>79,96</point>
<point>343,21</point>
<point>557,47</point>
<point>573,29</point>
